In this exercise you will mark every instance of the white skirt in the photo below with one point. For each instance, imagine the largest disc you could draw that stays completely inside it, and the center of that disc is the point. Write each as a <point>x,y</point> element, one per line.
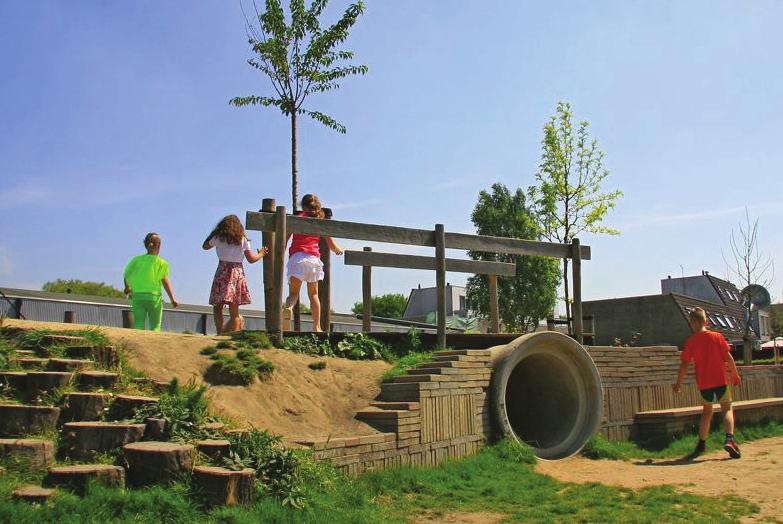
<point>305,267</point>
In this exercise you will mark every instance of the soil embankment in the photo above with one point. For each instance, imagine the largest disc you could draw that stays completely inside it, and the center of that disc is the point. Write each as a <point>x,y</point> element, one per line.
<point>296,402</point>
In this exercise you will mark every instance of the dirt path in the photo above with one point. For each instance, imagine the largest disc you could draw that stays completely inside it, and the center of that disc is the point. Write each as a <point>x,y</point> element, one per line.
<point>757,476</point>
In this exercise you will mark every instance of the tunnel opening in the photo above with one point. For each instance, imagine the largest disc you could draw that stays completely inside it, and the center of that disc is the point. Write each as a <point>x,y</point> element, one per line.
<point>542,401</point>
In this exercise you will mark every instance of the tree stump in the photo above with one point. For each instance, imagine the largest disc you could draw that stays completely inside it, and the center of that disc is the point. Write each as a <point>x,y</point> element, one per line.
<point>16,419</point>
<point>80,407</point>
<point>70,340</point>
<point>68,364</point>
<point>31,362</point>
<point>214,426</point>
<point>84,439</point>
<point>97,379</point>
<point>32,454</point>
<point>33,494</point>
<point>76,477</point>
<point>125,406</point>
<point>104,356</point>
<point>40,381</point>
<point>215,450</point>
<point>224,487</point>
<point>155,428</point>
<point>156,462</point>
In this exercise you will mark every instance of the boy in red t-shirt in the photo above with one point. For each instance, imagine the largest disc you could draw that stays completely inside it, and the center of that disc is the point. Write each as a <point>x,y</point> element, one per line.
<point>710,352</point>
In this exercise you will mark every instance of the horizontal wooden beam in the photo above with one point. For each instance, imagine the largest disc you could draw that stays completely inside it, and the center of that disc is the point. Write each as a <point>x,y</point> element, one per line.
<point>511,246</point>
<point>260,221</point>
<point>477,267</point>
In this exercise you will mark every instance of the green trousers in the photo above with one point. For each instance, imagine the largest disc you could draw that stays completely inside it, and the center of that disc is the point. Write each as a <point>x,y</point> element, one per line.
<point>144,306</point>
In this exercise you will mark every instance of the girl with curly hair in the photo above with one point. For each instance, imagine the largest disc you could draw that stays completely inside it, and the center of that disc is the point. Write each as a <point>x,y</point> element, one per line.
<point>229,286</point>
<point>304,264</point>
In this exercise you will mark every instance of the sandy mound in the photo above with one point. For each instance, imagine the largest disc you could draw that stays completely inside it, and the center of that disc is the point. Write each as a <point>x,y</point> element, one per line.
<point>297,402</point>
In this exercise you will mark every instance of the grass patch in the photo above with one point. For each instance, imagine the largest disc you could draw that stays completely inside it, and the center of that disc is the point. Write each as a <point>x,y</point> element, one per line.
<point>239,368</point>
<point>403,364</point>
<point>185,409</point>
<point>254,339</point>
<point>598,447</point>
<point>315,366</point>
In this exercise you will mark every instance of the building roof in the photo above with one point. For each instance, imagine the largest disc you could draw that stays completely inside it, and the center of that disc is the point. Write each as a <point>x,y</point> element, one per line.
<point>728,319</point>
<point>727,291</point>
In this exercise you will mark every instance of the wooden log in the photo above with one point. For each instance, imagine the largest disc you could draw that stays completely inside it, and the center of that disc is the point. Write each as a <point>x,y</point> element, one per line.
<point>511,246</point>
<point>157,462</point>
<point>125,406</point>
<point>127,319</point>
<point>42,381</point>
<point>31,363</point>
<point>440,282</point>
<point>576,308</point>
<point>32,454</point>
<point>155,428</point>
<point>16,419</point>
<point>494,316</point>
<point>215,450</point>
<point>85,439</point>
<point>14,379</point>
<point>268,262</point>
<point>68,364</point>
<point>97,380</point>
<point>76,477</point>
<point>83,407</point>
<point>280,245</point>
<point>33,494</point>
<point>223,487</point>
<point>367,295</point>
<point>395,260</point>
<point>104,356</point>
<point>325,285</point>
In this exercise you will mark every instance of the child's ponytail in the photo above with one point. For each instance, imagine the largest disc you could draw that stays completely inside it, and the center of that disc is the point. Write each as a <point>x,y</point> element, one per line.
<point>312,206</point>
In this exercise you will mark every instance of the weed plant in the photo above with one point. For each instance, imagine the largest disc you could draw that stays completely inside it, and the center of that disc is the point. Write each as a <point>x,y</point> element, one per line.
<point>241,367</point>
<point>253,339</point>
<point>403,364</point>
<point>316,366</point>
<point>185,409</point>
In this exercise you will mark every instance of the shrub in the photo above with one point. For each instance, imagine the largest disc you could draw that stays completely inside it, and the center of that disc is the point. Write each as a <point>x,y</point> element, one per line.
<point>185,409</point>
<point>311,345</point>
<point>358,346</point>
<point>317,365</point>
<point>253,339</point>
<point>239,368</point>
<point>209,350</point>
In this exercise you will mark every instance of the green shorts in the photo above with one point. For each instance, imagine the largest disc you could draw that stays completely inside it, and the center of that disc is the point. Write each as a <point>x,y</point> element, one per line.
<point>716,395</point>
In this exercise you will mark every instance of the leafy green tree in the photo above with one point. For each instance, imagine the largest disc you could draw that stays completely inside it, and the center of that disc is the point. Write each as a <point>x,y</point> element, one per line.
<point>568,198</point>
<point>529,296</point>
<point>299,58</point>
<point>80,287</point>
<point>391,305</point>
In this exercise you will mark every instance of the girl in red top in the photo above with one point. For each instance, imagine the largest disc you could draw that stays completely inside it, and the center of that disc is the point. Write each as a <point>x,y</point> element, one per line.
<point>304,263</point>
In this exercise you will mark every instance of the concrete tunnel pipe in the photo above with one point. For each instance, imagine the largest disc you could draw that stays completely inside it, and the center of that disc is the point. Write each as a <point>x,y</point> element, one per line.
<point>546,392</point>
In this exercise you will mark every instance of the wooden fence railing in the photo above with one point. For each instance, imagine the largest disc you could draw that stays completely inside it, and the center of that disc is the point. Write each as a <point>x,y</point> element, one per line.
<point>276,226</point>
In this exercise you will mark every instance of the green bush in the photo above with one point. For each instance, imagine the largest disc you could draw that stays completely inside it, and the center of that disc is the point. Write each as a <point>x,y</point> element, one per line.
<point>309,345</point>
<point>317,365</point>
<point>241,367</point>
<point>391,305</point>
<point>408,343</point>
<point>209,350</point>
<point>82,287</point>
<point>359,346</point>
<point>253,339</point>
<point>185,409</point>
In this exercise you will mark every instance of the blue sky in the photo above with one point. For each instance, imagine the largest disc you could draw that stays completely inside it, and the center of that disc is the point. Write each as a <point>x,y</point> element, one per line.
<point>115,121</point>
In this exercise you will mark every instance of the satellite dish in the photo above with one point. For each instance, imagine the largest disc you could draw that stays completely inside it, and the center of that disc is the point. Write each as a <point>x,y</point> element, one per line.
<point>756,297</point>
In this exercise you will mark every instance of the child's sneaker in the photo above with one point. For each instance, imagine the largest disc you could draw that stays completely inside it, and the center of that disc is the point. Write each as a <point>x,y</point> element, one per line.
<point>730,445</point>
<point>701,447</point>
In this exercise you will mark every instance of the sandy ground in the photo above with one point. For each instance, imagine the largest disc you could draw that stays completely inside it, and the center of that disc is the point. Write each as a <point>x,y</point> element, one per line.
<point>296,402</point>
<point>757,476</point>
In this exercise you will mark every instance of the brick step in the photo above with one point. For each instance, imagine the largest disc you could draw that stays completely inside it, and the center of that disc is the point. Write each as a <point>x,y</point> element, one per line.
<point>457,364</point>
<point>485,353</point>
<point>105,356</point>
<point>410,406</point>
<point>125,406</point>
<point>32,453</point>
<point>97,380</point>
<point>83,407</point>
<point>403,392</point>
<point>428,377</point>
<point>84,439</point>
<point>439,357</point>
<point>69,364</point>
<point>458,373</point>
<point>76,477</point>
<point>387,414</point>
<point>33,494</point>
<point>18,419</point>
<point>157,462</point>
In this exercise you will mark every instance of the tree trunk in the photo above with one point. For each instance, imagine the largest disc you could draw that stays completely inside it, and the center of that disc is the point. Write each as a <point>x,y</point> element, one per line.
<point>295,203</point>
<point>566,295</point>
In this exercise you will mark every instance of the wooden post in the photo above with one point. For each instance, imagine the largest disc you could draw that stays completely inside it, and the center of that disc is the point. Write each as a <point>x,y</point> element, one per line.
<point>325,285</point>
<point>367,296</point>
<point>280,236</point>
<point>127,318</point>
<point>18,308</point>
<point>204,322</point>
<point>494,316</point>
<point>576,308</point>
<point>268,240</point>
<point>440,282</point>
<point>69,317</point>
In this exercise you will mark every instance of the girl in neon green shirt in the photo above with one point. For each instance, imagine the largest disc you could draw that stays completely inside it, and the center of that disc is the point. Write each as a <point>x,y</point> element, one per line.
<point>144,275</point>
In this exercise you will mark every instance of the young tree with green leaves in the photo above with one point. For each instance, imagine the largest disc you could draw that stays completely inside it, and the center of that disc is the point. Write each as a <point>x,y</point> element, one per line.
<point>390,305</point>
<point>529,296</point>
<point>299,58</point>
<point>568,199</point>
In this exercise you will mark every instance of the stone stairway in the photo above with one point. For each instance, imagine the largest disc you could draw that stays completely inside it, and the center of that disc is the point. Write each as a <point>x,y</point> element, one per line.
<point>73,395</point>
